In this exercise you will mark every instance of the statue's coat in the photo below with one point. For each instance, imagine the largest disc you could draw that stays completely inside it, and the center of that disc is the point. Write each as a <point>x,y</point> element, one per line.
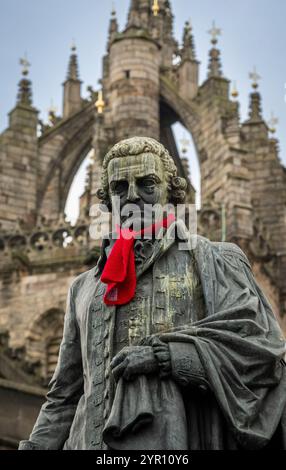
<point>238,340</point>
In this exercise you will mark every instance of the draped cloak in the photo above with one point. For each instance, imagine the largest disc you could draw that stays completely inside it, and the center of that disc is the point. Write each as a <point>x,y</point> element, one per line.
<point>240,346</point>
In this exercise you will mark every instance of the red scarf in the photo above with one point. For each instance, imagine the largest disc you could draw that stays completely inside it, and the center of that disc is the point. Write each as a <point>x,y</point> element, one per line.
<point>119,271</point>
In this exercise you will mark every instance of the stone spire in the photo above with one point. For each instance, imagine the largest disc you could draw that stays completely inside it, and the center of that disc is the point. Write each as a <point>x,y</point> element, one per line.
<point>188,69</point>
<point>113,27</point>
<point>188,49</point>
<point>155,17</point>
<point>20,166</point>
<point>24,116</point>
<point>133,15</point>
<point>168,19</point>
<point>139,14</point>
<point>25,86</point>
<point>72,86</point>
<point>73,73</point>
<point>255,110</point>
<point>160,24</point>
<point>164,25</point>
<point>214,62</point>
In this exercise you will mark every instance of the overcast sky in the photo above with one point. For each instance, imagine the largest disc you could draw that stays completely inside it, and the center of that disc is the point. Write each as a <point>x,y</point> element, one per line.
<point>254,33</point>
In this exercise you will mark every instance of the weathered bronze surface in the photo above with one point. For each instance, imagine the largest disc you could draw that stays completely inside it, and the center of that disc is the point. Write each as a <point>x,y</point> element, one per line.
<point>194,361</point>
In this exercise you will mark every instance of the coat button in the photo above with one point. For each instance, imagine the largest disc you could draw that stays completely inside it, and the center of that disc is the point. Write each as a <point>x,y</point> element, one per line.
<point>203,388</point>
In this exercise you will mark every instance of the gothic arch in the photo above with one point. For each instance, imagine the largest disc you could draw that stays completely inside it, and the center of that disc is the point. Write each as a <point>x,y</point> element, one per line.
<point>63,151</point>
<point>207,140</point>
<point>75,160</point>
<point>43,341</point>
<point>186,113</point>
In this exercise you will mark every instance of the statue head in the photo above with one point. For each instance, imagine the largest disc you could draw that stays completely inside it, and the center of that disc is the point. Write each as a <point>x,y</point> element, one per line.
<point>140,171</point>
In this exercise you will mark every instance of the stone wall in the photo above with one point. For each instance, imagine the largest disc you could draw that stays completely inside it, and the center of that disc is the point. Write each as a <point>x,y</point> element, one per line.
<point>132,88</point>
<point>18,416</point>
<point>18,167</point>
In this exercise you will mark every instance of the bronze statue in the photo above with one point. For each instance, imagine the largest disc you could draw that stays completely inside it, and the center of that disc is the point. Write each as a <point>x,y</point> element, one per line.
<point>194,360</point>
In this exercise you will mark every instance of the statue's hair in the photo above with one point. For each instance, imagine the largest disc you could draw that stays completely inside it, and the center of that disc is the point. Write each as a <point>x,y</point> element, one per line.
<point>137,146</point>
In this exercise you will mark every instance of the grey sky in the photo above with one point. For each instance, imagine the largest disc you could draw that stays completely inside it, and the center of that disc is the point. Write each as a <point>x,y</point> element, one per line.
<point>254,33</point>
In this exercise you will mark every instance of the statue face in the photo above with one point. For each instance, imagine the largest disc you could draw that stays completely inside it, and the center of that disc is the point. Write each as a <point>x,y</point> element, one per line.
<point>138,179</point>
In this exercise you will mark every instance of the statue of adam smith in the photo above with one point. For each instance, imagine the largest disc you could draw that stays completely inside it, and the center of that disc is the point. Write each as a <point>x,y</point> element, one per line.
<point>190,358</point>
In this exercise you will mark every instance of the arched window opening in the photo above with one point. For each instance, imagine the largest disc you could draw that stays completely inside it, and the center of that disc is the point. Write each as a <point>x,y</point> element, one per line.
<point>172,133</point>
<point>188,154</point>
<point>77,200</point>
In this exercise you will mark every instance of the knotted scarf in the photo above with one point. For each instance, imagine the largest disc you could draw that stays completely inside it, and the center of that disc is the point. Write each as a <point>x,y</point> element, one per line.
<point>119,272</point>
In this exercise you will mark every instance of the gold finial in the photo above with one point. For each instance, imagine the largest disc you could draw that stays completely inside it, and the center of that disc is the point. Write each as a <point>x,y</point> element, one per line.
<point>100,103</point>
<point>52,111</point>
<point>214,33</point>
<point>25,65</point>
<point>255,77</point>
<point>234,91</point>
<point>185,144</point>
<point>155,7</point>
<point>273,123</point>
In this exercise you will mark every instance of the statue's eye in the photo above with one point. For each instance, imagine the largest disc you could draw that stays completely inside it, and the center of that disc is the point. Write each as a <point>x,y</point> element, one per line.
<point>119,187</point>
<point>148,182</point>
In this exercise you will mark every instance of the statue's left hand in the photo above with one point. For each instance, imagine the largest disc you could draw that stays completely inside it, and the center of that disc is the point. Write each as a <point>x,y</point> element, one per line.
<point>132,361</point>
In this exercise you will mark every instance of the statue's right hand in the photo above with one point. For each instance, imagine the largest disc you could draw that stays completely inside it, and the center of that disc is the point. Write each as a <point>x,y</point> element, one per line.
<point>132,361</point>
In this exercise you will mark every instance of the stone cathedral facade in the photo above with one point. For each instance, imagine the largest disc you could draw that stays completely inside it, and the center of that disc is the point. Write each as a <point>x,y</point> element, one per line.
<point>149,82</point>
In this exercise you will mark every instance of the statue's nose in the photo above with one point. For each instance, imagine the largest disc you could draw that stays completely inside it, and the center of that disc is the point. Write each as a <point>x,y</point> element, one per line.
<point>132,193</point>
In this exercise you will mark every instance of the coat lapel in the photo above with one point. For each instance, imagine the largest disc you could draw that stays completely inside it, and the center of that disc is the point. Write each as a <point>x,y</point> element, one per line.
<point>199,246</point>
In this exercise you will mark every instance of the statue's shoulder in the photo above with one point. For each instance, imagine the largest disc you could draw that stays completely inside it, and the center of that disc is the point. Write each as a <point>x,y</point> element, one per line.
<point>83,280</point>
<point>225,249</point>
<point>231,249</point>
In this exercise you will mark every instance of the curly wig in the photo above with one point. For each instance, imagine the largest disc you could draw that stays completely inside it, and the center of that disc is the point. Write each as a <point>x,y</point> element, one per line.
<point>144,145</point>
